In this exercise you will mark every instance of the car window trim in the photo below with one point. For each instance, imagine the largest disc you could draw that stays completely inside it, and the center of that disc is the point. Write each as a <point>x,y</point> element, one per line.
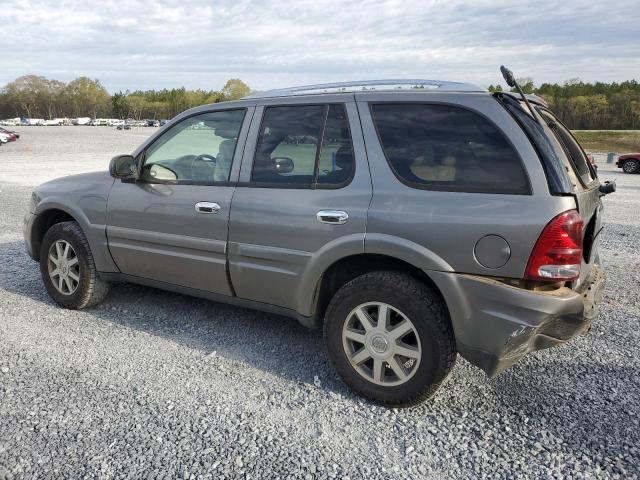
<point>314,185</point>
<point>447,188</point>
<point>142,156</point>
<point>565,148</point>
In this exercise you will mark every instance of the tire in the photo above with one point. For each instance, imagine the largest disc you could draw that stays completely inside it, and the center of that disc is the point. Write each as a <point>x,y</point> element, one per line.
<point>631,166</point>
<point>432,335</point>
<point>89,288</point>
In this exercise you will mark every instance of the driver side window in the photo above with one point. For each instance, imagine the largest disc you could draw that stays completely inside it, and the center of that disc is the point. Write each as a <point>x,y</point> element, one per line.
<point>199,149</point>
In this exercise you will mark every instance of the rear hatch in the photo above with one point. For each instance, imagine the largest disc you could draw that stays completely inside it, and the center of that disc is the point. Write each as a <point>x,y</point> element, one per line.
<point>568,171</point>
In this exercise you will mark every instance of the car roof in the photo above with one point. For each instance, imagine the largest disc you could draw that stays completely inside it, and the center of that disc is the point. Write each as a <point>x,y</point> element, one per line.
<point>394,85</point>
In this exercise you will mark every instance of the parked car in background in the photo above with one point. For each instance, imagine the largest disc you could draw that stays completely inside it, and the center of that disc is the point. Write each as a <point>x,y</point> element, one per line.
<point>629,163</point>
<point>163,122</point>
<point>123,126</point>
<point>56,122</point>
<point>81,121</point>
<point>16,135</point>
<point>411,224</point>
<point>152,123</point>
<point>4,138</point>
<point>35,121</point>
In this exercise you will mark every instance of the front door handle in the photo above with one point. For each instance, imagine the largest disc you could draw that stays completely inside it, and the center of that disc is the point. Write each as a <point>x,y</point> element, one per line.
<point>335,217</point>
<point>207,207</point>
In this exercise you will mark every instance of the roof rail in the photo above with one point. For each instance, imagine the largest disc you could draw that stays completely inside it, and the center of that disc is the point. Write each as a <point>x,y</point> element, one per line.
<point>370,85</point>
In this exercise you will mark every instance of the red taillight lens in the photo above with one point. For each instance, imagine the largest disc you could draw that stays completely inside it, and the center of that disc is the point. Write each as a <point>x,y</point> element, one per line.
<point>558,251</point>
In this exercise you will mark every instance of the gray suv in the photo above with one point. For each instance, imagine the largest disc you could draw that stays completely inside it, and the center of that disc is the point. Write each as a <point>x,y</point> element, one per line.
<point>411,220</point>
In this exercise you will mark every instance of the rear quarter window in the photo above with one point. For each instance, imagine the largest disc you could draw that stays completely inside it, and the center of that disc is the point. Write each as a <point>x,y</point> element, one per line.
<point>448,148</point>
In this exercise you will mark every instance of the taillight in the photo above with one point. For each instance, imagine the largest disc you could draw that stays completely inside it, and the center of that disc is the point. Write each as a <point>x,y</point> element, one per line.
<point>558,251</point>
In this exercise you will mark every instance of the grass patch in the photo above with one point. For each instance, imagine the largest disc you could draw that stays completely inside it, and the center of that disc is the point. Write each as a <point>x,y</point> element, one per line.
<point>609,140</point>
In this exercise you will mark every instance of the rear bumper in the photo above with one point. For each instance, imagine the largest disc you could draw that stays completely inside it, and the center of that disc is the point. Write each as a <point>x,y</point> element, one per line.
<point>496,324</point>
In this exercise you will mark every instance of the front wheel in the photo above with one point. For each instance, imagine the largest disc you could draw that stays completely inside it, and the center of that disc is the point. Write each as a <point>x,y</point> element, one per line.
<point>68,271</point>
<point>631,166</point>
<point>389,337</point>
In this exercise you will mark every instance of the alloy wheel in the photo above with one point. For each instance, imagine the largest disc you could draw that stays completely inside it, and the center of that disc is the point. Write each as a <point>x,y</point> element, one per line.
<point>381,344</point>
<point>63,267</point>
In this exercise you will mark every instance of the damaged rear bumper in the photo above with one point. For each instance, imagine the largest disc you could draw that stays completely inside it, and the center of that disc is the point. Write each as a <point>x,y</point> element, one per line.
<point>497,324</point>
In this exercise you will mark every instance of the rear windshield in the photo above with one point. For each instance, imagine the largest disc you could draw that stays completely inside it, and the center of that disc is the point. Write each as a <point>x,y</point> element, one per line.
<point>570,146</point>
<point>443,147</point>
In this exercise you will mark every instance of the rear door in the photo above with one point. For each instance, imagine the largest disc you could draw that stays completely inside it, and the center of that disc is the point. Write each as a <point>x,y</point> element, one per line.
<point>301,201</point>
<point>171,225</point>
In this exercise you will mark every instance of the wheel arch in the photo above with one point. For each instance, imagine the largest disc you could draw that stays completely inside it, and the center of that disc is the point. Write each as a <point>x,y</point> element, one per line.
<point>347,268</point>
<point>43,222</point>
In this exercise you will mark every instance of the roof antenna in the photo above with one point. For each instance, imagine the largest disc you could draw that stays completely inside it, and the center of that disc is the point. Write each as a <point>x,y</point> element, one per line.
<point>511,81</point>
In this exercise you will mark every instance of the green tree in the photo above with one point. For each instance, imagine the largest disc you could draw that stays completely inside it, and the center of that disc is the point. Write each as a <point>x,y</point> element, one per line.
<point>234,89</point>
<point>88,97</point>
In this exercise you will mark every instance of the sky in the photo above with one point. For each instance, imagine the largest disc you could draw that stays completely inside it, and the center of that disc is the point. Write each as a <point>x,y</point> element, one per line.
<point>131,44</point>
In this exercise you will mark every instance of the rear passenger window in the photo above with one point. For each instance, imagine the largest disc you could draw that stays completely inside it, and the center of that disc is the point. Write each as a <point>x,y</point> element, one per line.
<point>305,145</point>
<point>441,147</point>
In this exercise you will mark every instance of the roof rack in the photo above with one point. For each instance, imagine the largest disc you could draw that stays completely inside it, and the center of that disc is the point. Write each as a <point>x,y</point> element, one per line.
<point>370,85</point>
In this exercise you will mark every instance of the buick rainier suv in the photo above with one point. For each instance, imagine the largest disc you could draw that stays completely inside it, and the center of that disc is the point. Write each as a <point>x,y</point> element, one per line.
<point>410,220</point>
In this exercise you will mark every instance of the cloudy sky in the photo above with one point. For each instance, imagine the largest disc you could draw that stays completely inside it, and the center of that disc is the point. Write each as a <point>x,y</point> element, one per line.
<point>131,44</point>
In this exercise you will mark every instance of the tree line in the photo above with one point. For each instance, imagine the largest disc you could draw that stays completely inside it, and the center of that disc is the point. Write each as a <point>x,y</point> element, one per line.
<point>580,105</point>
<point>589,106</point>
<point>35,96</point>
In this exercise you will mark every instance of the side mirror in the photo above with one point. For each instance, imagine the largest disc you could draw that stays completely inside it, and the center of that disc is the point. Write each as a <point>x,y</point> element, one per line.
<point>283,164</point>
<point>123,166</point>
<point>607,187</point>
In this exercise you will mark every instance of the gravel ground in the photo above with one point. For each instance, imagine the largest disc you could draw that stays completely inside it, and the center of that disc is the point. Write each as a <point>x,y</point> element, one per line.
<point>158,385</point>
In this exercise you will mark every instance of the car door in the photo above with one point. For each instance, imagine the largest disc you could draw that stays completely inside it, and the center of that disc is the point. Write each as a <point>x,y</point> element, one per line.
<point>171,224</point>
<point>301,201</point>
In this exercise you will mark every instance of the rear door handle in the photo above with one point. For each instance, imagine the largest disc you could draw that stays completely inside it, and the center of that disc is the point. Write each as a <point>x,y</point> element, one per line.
<point>335,217</point>
<point>207,207</point>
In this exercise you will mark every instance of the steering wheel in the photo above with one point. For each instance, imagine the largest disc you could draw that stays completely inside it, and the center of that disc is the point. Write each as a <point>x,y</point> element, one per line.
<point>204,159</point>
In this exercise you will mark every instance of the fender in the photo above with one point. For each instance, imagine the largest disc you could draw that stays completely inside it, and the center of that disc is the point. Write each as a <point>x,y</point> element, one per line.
<point>405,250</point>
<point>94,230</point>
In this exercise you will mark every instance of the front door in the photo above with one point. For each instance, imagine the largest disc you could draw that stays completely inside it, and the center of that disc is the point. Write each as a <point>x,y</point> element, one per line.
<point>171,225</point>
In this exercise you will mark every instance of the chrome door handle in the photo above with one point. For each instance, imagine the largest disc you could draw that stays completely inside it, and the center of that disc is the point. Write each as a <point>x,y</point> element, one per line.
<point>207,207</point>
<point>335,217</point>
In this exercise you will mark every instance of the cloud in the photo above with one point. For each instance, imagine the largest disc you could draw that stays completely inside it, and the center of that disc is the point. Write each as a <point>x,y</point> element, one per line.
<point>200,43</point>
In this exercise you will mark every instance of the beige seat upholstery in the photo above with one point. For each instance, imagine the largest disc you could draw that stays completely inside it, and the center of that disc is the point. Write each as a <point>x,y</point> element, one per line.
<point>426,167</point>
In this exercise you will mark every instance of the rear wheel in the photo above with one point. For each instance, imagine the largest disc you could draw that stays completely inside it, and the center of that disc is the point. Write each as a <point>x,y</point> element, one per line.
<point>68,271</point>
<point>631,166</point>
<point>389,338</point>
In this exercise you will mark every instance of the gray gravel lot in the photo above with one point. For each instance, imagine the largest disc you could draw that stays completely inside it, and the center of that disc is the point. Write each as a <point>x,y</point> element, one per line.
<point>158,385</point>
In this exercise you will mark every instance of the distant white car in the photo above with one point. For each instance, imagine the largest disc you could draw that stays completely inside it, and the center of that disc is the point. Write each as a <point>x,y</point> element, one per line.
<point>4,138</point>
<point>81,121</point>
<point>35,121</point>
<point>55,122</point>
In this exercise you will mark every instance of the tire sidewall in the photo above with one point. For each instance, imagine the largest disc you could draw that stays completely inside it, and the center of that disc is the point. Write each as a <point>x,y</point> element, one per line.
<point>430,370</point>
<point>629,165</point>
<point>65,231</point>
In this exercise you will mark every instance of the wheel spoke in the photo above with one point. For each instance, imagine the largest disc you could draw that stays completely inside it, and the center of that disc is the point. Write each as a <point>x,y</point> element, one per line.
<point>361,356</point>
<point>384,314</point>
<point>73,261</point>
<point>69,284</point>
<point>365,319</point>
<point>60,281</point>
<point>378,368</point>
<point>401,330</point>
<point>54,273</point>
<point>74,276</point>
<point>355,336</point>
<point>59,250</point>
<point>65,253</point>
<point>53,259</point>
<point>407,351</point>
<point>397,368</point>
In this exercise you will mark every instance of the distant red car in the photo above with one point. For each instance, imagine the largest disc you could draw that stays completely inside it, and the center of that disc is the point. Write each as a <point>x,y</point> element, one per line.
<point>11,136</point>
<point>629,163</point>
